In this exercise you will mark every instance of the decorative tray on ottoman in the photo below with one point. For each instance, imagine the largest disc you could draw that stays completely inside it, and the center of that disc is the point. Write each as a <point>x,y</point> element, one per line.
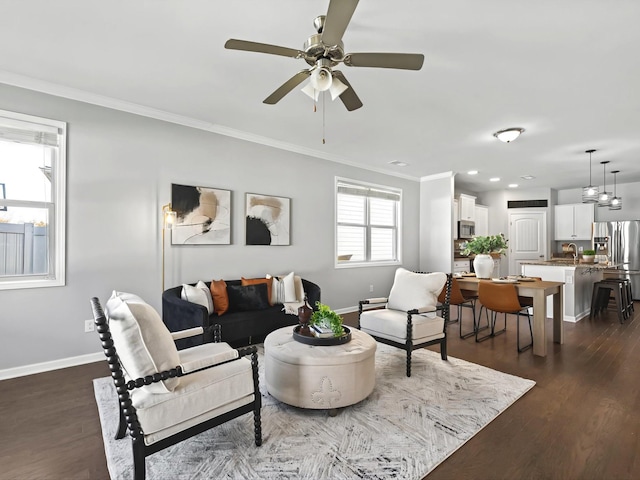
<point>325,342</point>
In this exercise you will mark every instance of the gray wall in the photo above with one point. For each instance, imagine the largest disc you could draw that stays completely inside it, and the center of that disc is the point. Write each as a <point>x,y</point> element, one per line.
<point>120,167</point>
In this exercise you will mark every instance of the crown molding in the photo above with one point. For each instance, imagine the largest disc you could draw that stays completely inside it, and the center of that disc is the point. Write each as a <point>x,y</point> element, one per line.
<point>57,90</point>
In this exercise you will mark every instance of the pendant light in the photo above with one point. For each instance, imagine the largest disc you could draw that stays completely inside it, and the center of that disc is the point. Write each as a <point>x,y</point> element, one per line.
<point>589,193</point>
<point>616,201</point>
<point>604,199</point>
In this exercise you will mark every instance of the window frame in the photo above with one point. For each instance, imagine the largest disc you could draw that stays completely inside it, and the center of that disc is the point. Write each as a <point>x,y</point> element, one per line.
<point>368,226</point>
<point>56,275</point>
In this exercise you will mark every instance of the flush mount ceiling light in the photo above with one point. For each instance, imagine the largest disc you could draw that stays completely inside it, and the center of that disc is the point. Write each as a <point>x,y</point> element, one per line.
<point>472,172</point>
<point>398,163</point>
<point>494,179</point>
<point>589,193</point>
<point>508,135</point>
<point>616,201</point>
<point>604,199</point>
<point>527,177</point>
<point>513,185</point>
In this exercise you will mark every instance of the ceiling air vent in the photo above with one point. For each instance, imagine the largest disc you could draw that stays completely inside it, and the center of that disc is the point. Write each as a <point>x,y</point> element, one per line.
<point>526,203</point>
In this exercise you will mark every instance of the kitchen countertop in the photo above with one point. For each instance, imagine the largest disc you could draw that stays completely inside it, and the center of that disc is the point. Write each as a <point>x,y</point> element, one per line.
<point>567,264</point>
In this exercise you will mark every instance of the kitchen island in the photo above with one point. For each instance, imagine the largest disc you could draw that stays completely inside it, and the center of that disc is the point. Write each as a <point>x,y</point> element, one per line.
<point>578,279</point>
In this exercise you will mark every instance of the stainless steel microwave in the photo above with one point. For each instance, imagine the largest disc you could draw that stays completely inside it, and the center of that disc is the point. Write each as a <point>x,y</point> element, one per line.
<point>466,229</point>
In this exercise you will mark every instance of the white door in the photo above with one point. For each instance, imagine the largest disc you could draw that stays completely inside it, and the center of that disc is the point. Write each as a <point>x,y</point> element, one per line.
<point>527,238</point>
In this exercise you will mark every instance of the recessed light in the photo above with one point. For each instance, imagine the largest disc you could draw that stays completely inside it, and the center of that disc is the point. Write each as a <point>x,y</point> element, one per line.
<point>494,179</point>
<point>527,177</point>
<point>398,163</point>
<point>472,172</point>
<point>513,185</point>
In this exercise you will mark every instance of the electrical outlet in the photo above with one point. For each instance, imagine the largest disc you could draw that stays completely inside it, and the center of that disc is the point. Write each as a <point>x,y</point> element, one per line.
<point>371,288</point>
<point>89,326</point>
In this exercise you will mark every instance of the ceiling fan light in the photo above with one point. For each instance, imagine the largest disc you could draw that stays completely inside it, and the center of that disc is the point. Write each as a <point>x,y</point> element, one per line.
<point>321,79</point>
<point>508,135</point>
<point>337,88</point>
<point>310,91</point>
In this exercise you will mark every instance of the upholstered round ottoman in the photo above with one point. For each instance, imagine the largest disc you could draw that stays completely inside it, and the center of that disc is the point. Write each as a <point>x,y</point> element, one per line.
<point>319,377</point>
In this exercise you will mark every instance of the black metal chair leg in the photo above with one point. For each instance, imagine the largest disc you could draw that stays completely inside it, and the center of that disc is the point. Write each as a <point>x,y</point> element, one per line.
<point>489,325</point>
<point>526,347</point>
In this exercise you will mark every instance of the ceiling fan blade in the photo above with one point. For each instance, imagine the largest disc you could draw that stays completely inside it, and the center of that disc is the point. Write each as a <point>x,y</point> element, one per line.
<point>348,97</point>
<point>338,17</point>
<point>286,87</point>
<point>405,61</point>
<point>234,44</point>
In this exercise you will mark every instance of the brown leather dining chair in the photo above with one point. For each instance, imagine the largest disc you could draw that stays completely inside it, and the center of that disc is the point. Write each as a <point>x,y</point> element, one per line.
<point>461,299</point>
<point>502,298</point>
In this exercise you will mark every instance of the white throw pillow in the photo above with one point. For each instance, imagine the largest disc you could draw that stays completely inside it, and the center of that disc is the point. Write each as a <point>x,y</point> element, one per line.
<point>415,290</point>
<point>200,294</point>
<point>283,289</point>
<point>297,280</point>
<point>143,342</point>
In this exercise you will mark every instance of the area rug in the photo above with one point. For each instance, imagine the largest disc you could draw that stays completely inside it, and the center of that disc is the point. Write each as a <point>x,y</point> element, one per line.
<point>403,430</point>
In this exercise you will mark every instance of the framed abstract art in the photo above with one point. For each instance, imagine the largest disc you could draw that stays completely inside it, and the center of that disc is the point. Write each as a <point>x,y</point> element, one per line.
<point>203,215</point>
<point>267,219</point>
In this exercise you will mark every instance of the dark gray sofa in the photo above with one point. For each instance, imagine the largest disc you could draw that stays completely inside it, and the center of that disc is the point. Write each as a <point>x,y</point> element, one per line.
<point>236,328</point>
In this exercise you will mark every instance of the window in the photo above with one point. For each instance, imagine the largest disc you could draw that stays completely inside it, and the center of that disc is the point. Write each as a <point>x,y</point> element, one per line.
<point>32,176</point>
<point>367,224</point>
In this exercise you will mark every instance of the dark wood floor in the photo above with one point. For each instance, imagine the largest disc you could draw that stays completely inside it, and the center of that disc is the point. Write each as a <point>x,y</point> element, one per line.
<point>581,420</point>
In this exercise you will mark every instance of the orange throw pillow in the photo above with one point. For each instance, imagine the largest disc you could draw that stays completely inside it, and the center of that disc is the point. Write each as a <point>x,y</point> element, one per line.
<point>253,281</point>
<point>220,297</point>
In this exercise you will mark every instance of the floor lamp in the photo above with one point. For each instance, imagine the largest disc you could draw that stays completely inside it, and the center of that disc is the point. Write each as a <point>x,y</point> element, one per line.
<point>168,222</point>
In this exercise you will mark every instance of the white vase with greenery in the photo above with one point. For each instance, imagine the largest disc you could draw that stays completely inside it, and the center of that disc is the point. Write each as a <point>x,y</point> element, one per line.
<point>482,247</point>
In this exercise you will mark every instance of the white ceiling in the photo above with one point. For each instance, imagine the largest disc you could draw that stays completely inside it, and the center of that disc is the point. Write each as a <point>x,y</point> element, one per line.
<point>567,71</point>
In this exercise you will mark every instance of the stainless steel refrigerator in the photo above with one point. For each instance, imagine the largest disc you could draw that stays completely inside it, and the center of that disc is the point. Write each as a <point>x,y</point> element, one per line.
<point>619,243</point>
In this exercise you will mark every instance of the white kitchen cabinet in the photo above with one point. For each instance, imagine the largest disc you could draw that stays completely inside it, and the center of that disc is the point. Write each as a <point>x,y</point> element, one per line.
<point>574,221</point>
<point>461,266</point>
<point>482,220</point>
<point>456,216</point>
<point>467,205</point>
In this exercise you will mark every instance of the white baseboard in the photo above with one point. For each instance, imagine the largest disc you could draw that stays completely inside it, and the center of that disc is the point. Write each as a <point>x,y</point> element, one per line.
<point>340,311</point>
<point>52,365</point>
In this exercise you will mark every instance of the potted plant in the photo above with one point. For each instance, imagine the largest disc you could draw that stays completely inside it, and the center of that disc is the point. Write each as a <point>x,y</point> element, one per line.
<point>482,247</point>
<point>588,256</point>
<point>327,318</point>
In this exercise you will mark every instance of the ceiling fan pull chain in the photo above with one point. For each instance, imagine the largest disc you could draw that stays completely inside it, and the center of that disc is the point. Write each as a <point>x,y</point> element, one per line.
<point>324,109</point>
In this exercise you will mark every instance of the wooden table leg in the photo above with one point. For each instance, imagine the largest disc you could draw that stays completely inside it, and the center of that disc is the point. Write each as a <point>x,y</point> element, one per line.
<point>539,320</point>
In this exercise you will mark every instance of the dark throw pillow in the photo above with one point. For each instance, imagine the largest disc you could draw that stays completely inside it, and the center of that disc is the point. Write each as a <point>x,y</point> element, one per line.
<point>247,298</point>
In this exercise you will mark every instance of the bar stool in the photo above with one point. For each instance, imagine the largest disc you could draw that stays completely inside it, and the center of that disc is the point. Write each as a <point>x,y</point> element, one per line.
<point>602,293</point>
<point>627,300</point>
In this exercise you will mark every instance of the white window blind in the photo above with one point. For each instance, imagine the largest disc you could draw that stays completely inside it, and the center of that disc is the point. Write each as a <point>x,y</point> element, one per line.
<point>367,229</point>
<point>32,193</point>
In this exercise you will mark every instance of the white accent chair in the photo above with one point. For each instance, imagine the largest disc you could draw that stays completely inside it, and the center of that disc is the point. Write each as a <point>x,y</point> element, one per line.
<point>412,317</point>
<point>165,395</point>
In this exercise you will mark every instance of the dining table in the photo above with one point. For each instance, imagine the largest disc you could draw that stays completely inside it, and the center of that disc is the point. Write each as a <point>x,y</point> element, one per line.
<point>538,290</point>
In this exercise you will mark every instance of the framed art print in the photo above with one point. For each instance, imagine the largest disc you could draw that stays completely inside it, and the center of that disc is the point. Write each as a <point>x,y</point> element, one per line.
<point>267,220</point>
<point>203,215</point>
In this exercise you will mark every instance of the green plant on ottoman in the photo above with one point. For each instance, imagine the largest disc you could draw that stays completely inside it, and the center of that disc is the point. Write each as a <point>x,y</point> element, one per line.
<point>324,317</point>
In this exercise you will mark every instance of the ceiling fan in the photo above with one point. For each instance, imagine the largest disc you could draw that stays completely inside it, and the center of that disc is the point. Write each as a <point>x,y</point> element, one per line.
<point>325,50</point>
